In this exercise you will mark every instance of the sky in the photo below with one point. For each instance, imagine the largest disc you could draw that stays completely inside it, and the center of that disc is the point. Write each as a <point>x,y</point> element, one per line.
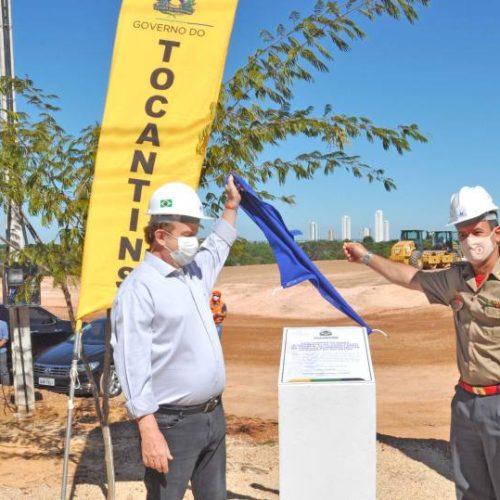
<point>442,73</point>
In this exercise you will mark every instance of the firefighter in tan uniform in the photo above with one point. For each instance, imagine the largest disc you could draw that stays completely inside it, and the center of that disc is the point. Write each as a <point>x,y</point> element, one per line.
<point>472,289</point>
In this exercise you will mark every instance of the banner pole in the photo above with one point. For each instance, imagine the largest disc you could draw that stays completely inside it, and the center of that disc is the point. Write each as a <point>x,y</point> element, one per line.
<point>106,431</point>
<point>69,421</point>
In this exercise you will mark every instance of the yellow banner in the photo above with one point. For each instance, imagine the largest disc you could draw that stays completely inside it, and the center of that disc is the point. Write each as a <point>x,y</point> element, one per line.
<point>165,76</point>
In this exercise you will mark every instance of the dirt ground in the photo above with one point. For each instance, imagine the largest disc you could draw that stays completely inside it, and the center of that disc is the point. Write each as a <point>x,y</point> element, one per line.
<point>414,371</point>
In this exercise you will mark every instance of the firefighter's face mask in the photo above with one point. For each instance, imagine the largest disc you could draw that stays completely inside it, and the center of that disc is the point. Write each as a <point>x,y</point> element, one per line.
<point>478,248</point>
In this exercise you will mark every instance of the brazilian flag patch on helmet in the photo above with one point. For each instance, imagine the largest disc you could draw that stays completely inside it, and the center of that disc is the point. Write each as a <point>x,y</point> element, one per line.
<point>166,203</point>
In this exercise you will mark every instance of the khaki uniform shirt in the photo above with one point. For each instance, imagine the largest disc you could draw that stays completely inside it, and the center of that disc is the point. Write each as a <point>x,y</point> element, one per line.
<point>477,318</point>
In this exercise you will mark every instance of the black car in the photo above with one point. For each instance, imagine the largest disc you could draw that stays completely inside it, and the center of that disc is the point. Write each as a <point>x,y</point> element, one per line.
<point>46,328</point>
<point>51,368</point>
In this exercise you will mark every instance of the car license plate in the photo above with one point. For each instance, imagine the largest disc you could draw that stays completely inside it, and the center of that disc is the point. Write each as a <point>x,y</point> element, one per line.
<point>46,381</point>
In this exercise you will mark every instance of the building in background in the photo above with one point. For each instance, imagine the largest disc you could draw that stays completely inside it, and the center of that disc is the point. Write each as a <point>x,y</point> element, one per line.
<point>346,227</point>
<point>379,226</point>
<point>331,235</point>
<point>366,232</point>
<point>313,231</point>
<point>387,235</point>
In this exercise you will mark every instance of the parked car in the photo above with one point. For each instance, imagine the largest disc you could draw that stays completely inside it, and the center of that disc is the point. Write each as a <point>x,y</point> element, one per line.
<point>51,368</point>
<point>46,328</point>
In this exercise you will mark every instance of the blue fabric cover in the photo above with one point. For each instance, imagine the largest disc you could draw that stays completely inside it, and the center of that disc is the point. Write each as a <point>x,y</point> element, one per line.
<point>294,265</point>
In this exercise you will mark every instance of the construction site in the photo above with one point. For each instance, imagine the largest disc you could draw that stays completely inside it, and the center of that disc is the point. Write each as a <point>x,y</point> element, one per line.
<point>412,410</point>
<point>166,329</point>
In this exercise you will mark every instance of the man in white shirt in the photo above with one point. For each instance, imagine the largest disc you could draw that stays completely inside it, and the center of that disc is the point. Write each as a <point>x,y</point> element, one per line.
<point>166,349</point>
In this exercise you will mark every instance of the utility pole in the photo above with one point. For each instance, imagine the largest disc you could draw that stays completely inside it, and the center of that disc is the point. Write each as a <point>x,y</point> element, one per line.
<point>16,230</point>
<point>20,334</point>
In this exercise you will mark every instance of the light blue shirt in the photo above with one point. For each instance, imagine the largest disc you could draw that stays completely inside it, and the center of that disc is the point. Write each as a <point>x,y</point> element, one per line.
<point>165,344</point>
<point>4,334</point>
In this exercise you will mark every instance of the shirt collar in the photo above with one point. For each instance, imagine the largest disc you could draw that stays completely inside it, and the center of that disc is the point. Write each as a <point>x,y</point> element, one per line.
<point>160,265</point>
<point>470,277</point>
<point>496,270</point>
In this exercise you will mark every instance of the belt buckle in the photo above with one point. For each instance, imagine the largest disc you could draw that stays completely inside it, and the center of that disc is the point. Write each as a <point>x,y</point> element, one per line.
<point>210,405</point>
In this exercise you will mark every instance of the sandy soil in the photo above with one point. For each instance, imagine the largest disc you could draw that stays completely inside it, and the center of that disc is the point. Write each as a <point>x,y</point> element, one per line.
<point>414,369</point>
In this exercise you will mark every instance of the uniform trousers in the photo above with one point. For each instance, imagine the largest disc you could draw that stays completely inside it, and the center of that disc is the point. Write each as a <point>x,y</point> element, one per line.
<point>475,445</point>
<point>198,445</point>
<point>219,327</point>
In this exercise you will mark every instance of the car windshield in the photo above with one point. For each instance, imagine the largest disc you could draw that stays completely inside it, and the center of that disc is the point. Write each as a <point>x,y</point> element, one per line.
<point>94,333</point>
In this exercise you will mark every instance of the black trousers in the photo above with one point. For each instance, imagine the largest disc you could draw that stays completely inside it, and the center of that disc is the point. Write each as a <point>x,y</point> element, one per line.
<point>198,444</point>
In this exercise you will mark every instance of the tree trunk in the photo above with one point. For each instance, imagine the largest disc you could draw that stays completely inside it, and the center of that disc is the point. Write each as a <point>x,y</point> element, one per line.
<point>22,361</point>
<point>94,388</point>
<point>69,305</point>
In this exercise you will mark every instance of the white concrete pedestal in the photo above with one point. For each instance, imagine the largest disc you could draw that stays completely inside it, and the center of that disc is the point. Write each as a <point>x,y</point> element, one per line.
<point>327,427</point>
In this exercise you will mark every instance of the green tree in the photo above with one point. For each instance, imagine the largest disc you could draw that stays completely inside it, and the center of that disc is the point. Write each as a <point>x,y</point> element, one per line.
<point>245,252</point>
<point>49,173</point>
<point>256,105</point>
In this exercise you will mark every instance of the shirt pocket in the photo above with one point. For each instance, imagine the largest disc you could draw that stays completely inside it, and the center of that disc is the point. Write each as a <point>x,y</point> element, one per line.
<point>487,307</point>
<point>489,320</point>
<point>493,313</point>
<point>168,420</point>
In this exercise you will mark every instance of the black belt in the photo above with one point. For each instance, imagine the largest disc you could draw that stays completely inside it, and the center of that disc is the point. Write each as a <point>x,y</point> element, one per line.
<point>205,407</point>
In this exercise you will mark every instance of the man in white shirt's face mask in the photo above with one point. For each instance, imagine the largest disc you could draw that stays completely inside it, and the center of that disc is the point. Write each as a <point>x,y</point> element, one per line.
<point>176,242</point>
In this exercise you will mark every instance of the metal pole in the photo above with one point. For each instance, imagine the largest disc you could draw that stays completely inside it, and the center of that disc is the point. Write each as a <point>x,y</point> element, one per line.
<point>103,412</point>
<point>106,431</point>
<point>15,229</point>
<point>69,422</point>
<point>7,66</point>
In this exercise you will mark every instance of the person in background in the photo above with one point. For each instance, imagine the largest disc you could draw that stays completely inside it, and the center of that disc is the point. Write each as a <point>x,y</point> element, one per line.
<point>219,310</point>
<point>4,340</point>
<point>471,289</point>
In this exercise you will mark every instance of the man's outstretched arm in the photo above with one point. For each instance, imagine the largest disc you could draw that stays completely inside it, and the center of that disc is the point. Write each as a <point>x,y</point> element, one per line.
<point>395,272</point>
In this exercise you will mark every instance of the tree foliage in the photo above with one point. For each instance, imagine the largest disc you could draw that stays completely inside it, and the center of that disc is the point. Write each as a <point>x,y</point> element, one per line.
<point>256,109</point>
<point>246,252</point>
<point>45,169</point>
<point>49,172</point>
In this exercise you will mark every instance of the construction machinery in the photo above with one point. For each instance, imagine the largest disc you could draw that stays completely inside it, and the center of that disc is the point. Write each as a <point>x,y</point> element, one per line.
<point>425,249</point>
<point>447,243</point>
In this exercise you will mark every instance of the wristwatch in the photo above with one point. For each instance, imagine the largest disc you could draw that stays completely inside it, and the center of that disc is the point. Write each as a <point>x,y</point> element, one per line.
<point>366,257</point>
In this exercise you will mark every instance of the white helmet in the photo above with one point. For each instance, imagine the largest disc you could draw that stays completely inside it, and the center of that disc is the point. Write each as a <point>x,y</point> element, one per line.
<point>470,203</point>
<point>176,198</point>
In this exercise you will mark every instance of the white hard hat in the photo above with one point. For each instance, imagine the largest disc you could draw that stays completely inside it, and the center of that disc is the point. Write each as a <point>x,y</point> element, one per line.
<point>470,203</point>
<point>176,198</point>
